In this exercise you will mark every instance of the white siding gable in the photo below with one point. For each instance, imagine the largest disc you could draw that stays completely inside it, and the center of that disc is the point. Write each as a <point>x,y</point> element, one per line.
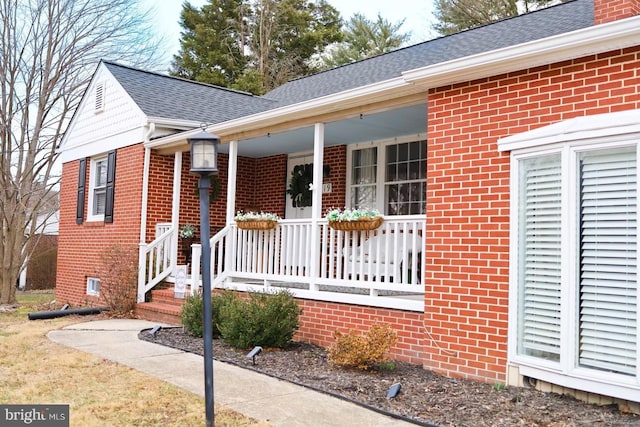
<point>106,119</point>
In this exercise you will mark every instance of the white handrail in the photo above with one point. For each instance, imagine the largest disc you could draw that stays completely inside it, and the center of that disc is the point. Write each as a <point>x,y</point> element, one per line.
<point>154,262</point>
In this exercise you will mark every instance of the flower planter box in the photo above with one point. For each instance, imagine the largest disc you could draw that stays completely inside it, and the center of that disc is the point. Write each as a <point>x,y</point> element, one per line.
<point>257,224</point>
<point>361,224</point>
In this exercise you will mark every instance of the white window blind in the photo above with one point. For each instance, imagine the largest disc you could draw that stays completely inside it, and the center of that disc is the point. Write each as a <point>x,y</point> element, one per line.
<point>540,249</point>
<point>99,187</point>
<point>363,178</point>
<point>608,276</point>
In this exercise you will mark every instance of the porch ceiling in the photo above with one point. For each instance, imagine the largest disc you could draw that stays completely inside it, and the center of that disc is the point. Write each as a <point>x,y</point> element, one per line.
<point>368,127</point>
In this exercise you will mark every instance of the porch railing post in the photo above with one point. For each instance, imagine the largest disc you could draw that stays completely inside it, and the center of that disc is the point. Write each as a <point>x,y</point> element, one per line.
<point>142,270</point>
<point>196,252</point>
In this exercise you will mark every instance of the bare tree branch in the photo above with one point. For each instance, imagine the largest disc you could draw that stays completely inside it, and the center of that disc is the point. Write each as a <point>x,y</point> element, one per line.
<point>49,49</point>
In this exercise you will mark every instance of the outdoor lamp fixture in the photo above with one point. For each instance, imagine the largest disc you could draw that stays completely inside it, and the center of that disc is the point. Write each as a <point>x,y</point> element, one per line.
<point>253,353</point>
<point>204,162</point>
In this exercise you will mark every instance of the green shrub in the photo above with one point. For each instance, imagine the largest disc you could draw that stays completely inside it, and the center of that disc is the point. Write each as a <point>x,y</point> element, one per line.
<point>193,314</point>
<point>264,319</point>
<point>362,351</point>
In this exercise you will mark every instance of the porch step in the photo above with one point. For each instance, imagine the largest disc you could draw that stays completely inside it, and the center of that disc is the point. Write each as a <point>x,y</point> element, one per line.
<point>165,296</point>
<point>162,307</point>
<point>159,312</point>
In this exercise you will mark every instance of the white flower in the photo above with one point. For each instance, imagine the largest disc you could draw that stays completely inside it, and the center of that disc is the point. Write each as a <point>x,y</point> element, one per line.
<point>351,214</point>
<point>187,231</point>
<point>255,216</point>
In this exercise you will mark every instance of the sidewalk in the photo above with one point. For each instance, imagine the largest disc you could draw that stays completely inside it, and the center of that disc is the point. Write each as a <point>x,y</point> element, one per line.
<point>250,393</point>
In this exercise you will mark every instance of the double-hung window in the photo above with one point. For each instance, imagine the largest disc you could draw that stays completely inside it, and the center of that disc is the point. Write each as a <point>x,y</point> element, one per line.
<point>574,313</point>
<point>389,176</point>
<point>98,188</point>
<point>101,188</point>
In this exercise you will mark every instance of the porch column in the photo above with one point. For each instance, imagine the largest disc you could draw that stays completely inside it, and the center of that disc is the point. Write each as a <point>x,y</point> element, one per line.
<point>232,173</point>
<point>142,245</point>
<point>316,202</point>
<point>145,195</point>
<point>175,208</point>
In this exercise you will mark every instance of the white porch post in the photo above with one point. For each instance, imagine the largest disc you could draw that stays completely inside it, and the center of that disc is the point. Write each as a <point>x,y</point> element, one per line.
<point>175,208</point>
<point>143,224</point>
<point>232,173</point>
<point>316,202</point>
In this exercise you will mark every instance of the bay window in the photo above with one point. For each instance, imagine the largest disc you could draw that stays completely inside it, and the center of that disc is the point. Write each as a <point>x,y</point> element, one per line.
<point>574,314</point>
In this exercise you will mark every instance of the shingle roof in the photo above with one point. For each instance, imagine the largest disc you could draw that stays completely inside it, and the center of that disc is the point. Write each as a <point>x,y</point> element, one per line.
<point>173,98</point>
<point>179,99</point>
<point>547,22</point>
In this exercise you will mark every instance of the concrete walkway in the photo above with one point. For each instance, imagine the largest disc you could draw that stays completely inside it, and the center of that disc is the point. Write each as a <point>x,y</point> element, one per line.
<point>250,393</point>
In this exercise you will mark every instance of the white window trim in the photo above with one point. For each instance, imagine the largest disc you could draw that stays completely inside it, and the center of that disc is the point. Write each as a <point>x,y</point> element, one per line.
<point>90,288</point>
<point>565,372</point>
<point>381,159</point>
<point>91,187</point>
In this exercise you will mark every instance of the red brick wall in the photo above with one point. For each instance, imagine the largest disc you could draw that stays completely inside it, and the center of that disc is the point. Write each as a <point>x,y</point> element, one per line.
<point>467,237</point>
<point>160,194</point>
<point>80,246</point>
<point>320,319</point>
<point>271,184</point>
<point>336,158</point>
<point>245,182</point>
<point>613,10</point>
<point>261,184</point>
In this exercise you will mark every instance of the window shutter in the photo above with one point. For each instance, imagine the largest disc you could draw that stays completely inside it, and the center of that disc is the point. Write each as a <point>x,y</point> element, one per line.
<point>82,181</point>
<point>539,259</point>
<point>608,276</point>
<point>111,179</point>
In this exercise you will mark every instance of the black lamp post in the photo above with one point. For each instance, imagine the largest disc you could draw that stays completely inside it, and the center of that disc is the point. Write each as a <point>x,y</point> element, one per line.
<point>204,162</point>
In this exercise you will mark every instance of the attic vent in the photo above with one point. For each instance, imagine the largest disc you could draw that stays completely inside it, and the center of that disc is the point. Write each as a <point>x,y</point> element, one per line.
<point>99,97</point>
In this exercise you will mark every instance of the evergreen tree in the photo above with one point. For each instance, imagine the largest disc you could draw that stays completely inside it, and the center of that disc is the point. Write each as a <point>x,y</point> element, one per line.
<point>211,47</point>
<point>457,15</point>
<point>364,38</point>
<point>254,45</point>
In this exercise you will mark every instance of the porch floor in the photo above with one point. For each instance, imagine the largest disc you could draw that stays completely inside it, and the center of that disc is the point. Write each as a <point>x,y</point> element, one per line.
<point>164,307</point>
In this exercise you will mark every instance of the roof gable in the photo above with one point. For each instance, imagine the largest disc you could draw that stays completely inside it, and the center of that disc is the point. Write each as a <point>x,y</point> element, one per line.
<point>171,98</point>
<point>105,110</point>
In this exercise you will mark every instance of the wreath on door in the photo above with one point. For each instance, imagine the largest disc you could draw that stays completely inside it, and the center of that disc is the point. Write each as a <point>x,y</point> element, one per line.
<point>299,182</point>
<point>214,191</point>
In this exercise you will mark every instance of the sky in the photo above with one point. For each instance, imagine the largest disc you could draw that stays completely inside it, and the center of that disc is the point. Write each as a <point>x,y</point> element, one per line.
<point>416,13</point>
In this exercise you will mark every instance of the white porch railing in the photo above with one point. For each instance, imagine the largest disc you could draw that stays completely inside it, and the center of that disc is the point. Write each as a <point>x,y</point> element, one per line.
<point>386,261</point>
<point>154,262</point>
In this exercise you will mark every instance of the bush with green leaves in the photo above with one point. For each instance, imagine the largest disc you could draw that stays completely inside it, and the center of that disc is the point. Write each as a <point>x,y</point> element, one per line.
<point>192,316</point>
<point>264,319</point>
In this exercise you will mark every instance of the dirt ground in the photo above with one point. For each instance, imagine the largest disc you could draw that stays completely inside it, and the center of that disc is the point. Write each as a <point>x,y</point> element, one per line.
<point>425,398</point>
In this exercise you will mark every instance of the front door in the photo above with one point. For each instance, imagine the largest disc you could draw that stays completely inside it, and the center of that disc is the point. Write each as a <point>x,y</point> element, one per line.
<point>299,176</point>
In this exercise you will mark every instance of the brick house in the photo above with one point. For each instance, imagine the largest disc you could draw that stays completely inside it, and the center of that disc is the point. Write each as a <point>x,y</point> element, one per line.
<point>504,159</point>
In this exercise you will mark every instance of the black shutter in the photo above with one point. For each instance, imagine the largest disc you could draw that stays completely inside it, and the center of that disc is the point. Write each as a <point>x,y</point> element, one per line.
<point>82,180</point>
<point>111,179</point>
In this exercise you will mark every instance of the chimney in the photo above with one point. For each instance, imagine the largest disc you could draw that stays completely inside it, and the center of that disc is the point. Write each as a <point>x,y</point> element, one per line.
<point>613,10</point>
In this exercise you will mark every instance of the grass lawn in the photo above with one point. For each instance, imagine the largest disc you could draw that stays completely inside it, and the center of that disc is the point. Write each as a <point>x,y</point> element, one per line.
<point>100,393</point>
